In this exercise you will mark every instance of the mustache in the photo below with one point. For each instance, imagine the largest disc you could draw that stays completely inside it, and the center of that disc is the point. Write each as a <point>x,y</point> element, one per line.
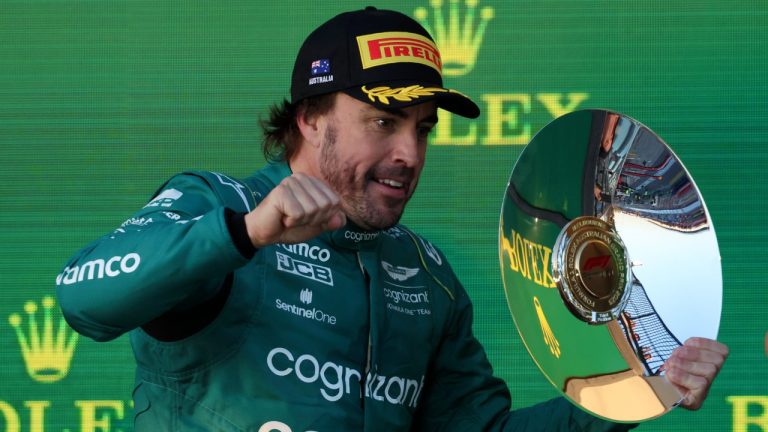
<point>399,173</point>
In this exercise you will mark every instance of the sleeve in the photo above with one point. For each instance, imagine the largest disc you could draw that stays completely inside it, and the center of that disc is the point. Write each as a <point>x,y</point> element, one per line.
<point>174,252</point>
<point>462,394</point>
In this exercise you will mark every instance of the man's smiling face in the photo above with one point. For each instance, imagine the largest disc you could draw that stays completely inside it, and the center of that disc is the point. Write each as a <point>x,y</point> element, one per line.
<point>373,158</point>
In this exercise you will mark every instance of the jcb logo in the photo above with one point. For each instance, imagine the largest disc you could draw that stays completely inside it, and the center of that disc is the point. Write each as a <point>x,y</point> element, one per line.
<point>308,270</point>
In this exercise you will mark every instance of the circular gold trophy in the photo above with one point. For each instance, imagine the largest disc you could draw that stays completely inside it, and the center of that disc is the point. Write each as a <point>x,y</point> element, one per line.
<point>609,262</point>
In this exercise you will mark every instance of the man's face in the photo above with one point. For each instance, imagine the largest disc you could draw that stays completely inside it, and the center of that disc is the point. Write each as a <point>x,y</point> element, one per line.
<point>373,158</point>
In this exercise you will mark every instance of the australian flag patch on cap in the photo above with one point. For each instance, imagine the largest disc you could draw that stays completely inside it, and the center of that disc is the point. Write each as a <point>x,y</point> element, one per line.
<point>322,66</point>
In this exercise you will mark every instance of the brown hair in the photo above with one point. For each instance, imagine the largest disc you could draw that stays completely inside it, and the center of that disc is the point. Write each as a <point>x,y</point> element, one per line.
<point>281,133</point>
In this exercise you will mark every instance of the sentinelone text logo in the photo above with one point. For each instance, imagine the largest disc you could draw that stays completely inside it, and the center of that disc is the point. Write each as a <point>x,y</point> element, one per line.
<point>459,30</point>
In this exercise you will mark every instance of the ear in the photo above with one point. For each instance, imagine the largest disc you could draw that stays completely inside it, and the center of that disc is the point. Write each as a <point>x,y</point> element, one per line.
<point>311,127</point>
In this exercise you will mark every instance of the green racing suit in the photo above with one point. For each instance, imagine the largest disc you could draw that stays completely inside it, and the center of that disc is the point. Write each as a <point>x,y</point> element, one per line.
<point>353,330</point>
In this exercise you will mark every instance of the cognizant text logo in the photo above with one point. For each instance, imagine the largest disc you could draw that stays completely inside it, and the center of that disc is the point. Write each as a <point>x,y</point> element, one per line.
<point>336,380</point>
<point>360,236</point>
<point>98,269</point>
<point>408,297</point>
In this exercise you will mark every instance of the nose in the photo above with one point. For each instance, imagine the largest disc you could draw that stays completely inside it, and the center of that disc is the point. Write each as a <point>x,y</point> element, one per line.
<point>406,149</point>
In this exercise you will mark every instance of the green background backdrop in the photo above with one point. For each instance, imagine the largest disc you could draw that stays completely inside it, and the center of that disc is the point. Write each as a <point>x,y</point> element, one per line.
<point>100,101</point>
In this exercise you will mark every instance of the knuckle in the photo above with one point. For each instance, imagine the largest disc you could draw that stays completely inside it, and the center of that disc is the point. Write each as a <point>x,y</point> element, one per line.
<point>672,373</point>
<point>700,382</point>
<point>710,370</point>
<point>286,187</point>
<point>322,201</point>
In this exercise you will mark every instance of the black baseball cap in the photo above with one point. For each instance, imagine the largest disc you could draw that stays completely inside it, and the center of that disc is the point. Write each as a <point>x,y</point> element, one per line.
<point>381,57</point>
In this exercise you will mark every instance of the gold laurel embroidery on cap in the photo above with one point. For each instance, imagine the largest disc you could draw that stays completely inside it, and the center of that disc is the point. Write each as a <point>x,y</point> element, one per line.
<point>546,330</point>
<point>402,94</point>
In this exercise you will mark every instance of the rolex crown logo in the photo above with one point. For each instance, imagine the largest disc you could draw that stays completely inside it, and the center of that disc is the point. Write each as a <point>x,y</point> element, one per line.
<point>458,39</point>
<point>47,357</point>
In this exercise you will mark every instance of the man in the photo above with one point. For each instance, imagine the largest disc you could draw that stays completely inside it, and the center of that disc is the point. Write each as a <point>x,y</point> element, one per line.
<point>292,300</point>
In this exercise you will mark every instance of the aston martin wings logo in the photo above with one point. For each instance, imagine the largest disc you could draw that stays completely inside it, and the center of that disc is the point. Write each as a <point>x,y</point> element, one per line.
<point>399,273</point>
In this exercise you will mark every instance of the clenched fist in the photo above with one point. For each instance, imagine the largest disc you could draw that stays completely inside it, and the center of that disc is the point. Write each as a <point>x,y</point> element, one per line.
<point>298,209</point>
<point>692,368</point>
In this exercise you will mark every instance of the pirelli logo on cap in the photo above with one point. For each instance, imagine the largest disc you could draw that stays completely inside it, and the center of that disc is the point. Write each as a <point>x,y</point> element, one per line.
<point>398,47</point>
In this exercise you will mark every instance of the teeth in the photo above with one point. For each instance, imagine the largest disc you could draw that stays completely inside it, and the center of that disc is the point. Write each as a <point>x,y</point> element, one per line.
<point>390,182</point>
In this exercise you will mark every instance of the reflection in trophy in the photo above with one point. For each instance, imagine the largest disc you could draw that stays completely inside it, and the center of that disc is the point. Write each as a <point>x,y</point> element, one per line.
<point>635,267</point>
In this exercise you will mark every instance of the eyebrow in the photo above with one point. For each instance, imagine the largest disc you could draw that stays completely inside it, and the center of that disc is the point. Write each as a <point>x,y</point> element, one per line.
<point>393,111</point>
<point>399,112</point>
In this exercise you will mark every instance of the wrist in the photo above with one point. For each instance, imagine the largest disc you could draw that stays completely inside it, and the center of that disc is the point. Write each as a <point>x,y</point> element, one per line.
<point>238,231</point>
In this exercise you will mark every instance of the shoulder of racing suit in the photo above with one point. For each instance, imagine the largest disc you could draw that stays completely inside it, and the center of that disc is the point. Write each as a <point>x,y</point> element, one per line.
<point>230,193</point>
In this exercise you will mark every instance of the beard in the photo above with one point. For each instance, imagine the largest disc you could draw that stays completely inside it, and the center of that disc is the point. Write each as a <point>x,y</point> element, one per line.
<point>361,206</point>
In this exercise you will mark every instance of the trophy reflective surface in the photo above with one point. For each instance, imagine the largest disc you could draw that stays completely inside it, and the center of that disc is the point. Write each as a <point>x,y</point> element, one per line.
<point>609,262</point>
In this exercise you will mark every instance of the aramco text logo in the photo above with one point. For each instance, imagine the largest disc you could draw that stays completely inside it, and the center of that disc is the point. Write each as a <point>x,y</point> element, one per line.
<point>459,38</point>
<point>47,354</point>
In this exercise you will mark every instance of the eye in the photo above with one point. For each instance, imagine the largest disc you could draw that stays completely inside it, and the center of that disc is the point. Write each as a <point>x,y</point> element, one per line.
<point>425,130</point>
<point>384,123</point>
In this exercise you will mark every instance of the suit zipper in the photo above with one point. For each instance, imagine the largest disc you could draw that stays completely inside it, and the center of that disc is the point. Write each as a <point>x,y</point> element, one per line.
<point>364,378</point>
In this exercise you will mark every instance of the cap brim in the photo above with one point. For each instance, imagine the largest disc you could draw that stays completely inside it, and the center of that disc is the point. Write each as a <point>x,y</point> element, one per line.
<point>400,95</point>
